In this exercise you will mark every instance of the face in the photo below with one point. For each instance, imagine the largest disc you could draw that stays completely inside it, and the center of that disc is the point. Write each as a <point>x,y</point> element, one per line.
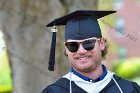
<point>85,55</point>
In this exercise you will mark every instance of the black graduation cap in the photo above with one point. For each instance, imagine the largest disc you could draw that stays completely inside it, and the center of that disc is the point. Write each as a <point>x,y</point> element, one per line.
<point>81,24</point>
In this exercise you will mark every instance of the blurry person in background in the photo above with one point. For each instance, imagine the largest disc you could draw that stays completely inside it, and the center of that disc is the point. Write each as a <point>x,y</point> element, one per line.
<point>85,49</point>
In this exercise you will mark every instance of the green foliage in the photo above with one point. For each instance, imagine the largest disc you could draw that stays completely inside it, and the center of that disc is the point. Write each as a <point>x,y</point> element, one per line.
<point>5,74</point>
<point>128,68</point>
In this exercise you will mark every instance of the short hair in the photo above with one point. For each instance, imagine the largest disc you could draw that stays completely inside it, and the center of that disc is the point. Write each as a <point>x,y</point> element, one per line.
<point>105,51</point>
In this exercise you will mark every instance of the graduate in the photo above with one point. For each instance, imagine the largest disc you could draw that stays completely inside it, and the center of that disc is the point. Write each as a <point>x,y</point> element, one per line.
<point>85,48</point>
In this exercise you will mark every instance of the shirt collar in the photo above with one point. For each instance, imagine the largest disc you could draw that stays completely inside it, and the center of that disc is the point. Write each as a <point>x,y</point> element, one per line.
<point>89,79</point>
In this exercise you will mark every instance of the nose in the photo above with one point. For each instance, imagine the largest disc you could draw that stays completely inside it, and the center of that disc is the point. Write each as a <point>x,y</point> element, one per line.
<point>81,49</point>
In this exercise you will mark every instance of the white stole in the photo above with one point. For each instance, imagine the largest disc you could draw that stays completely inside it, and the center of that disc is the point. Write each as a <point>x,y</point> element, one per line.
<point>90,87</point>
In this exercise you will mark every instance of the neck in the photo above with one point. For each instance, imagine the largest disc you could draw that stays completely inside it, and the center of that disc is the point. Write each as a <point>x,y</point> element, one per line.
<point>93,74</point>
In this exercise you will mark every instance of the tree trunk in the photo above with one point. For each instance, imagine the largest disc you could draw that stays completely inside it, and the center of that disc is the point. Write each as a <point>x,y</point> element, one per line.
<point>28,40</point>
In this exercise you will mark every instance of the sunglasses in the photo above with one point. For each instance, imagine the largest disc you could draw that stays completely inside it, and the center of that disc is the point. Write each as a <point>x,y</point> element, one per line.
<point>87,45</point>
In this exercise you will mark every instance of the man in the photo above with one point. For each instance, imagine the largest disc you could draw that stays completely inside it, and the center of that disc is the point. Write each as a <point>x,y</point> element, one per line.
<point>85,48</point>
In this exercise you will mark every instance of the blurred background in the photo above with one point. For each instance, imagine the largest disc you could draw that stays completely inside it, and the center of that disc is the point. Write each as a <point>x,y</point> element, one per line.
<point>25,41</point>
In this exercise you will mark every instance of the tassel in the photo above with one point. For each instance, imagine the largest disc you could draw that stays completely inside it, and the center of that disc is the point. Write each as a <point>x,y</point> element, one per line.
<point>52,50</point>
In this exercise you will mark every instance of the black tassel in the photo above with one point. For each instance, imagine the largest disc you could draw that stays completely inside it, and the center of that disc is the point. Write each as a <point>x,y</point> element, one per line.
<point>52,50</point>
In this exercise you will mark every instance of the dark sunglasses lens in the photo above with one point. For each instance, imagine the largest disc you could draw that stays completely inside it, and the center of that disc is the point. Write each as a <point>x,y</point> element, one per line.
<point>89,44</point>
<point>72,46</point>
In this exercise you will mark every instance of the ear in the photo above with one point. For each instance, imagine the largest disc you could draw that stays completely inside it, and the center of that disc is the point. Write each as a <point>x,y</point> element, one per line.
<point>65,46</point>
<point>102,43</point>
<point>65,53</point>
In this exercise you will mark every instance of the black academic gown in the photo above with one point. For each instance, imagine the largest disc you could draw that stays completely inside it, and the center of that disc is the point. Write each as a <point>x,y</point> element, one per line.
<point>62,86</point>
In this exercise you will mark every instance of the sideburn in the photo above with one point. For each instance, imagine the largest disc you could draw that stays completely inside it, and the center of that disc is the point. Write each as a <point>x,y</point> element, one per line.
<point>65,53</point>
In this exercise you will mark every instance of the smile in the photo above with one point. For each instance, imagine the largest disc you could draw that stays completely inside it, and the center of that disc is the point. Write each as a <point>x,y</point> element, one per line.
<point>83,58</point>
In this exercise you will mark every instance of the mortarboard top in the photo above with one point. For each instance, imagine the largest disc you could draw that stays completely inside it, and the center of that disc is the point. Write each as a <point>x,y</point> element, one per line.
<point>63,20</point>
<point>81,24</point>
